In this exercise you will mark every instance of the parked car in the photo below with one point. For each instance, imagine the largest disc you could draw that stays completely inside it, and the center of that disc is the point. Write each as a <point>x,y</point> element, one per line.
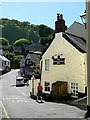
<point>19,81</point>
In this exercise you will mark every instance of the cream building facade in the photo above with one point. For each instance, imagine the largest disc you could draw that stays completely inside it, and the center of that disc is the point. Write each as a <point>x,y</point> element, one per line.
<point>65,60</point>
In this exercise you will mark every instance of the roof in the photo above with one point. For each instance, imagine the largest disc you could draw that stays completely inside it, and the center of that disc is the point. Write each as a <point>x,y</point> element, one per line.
<point>75,35</point>
<point>28,56</point>
<point>77,29</point>
<point>35,47</point>
<point>78,42</point>
<point>35,58</point>
<point>4,58</point>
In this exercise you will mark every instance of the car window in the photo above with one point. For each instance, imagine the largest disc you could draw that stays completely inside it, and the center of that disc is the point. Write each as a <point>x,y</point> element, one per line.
<point>19,79</point>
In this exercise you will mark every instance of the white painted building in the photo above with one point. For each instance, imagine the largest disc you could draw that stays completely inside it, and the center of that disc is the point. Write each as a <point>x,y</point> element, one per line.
<point>4,63</point>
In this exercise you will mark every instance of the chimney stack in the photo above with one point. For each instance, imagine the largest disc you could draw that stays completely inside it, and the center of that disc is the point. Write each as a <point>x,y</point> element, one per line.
<point>61,16</point>
<point>58,16</point>
<point>60,24</point>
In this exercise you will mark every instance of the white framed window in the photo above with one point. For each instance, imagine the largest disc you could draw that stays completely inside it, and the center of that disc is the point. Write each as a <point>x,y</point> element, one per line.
<point>74,89</point>
<point>47,86</point>
<point>46,64</point>
<point>58,60</point>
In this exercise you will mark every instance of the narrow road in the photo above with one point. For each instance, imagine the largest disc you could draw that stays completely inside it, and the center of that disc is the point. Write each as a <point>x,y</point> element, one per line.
<point>16,103</point>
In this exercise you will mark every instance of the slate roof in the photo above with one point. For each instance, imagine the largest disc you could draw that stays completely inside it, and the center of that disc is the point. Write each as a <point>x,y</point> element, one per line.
<point>75,35</point>
<point>35,47</point>
<point>35,58</point>
<point>78,42</point>
<point>77,29</point>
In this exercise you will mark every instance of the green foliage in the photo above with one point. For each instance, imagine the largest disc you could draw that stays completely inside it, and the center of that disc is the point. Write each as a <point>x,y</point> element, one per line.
<point>14,30</point>
<point>46,34</point>
<point>11,31</point>
<point>47,40</point>
<point>21,41</point>
<point>19,33</point>
<point>8,54</point>
<point>45,31</point>
<point>4,41</point>
<point>16,61</point>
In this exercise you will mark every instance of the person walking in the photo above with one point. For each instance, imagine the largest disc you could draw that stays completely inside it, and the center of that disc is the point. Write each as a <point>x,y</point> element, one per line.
<point>39,92</point>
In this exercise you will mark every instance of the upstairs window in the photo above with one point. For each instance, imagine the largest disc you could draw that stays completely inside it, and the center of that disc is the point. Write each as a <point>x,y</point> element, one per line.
<point>46,64</point>
<point>5,62</point>
<point>28,61</point>
<point>8,63</point>
<point>58,60</point>
<point>2,64</point>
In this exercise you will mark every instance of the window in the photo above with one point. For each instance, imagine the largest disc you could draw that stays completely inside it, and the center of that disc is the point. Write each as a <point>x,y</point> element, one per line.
<point>5,62</point>
<point>47,86</point>
<point>8,63</point>
<point>58,60</point>
<point>2,63</point>
<point>74,90</point>
<point>46,64</point>
<point>28,61</point>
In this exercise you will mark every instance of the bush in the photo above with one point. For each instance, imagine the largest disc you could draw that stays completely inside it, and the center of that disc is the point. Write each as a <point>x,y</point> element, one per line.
<point>16,61</point>
<point>4,41</point>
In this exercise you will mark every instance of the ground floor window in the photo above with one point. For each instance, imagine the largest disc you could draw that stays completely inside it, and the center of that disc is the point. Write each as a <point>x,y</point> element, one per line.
<point>74,89</point>
<point>47,86</point>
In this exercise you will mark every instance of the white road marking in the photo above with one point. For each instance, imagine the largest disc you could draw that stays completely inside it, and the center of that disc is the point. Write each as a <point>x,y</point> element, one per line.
<point>15,99</point>
<point>4,110</point>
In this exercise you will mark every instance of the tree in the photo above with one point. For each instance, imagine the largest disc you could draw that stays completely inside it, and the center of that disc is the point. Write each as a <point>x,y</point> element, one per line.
<point>47,40</point>
<point>22,41</point>
<point>16,61</point>
<point>11,32</point>
<point>14,30</point>
<point>4,41</point>
<point>45,31</point>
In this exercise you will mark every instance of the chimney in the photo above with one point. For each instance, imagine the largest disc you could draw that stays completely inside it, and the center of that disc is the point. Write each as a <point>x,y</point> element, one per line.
<point>60,24</point>
<point>58,16</point>
<point>61,17</point>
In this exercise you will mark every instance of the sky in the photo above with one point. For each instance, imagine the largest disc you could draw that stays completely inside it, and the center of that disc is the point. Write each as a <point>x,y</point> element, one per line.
<point>43,12</point>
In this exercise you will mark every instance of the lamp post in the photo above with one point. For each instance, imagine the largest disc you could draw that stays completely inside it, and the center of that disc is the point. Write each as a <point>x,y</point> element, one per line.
<point>86,17</point>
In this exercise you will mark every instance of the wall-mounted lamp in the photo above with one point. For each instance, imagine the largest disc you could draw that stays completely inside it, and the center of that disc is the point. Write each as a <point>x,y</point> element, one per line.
<point>83,18</point>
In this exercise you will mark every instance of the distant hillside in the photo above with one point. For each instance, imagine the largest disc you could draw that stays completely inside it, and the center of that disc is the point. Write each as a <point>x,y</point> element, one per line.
<point>14,30</point>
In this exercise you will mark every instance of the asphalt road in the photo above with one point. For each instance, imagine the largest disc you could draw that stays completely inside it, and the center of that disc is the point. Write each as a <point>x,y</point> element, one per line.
<point>16,102</point>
